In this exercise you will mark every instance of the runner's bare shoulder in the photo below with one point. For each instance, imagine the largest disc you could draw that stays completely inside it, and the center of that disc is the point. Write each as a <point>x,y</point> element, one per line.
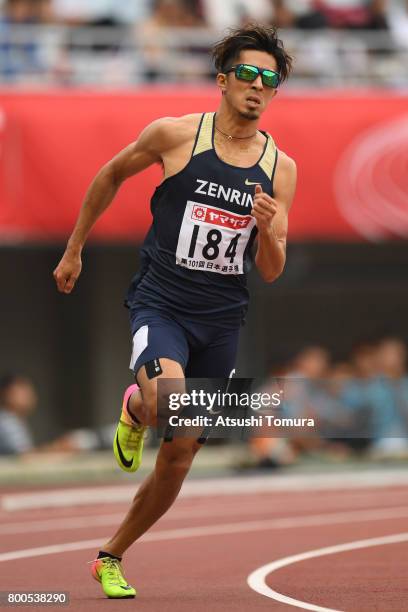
<point>168,133</point>
<point>286,163</point>
<point>285,179</point>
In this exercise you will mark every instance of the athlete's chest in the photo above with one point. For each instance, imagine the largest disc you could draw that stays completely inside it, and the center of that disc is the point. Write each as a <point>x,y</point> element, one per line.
<point>239,154</point>
<point>211,182</point>
<point>215,222</point>
<point>203,212</point>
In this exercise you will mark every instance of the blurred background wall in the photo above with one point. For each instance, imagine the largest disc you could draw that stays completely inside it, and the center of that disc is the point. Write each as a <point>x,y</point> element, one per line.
<point>79,80</point>
<point>77,348</point>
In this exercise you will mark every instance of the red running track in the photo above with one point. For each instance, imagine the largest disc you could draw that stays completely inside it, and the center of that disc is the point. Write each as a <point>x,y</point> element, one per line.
<point>199,556</point>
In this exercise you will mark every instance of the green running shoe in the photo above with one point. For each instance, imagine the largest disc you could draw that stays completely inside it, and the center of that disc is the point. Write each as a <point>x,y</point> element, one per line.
<point>109,573</point>
<point>128,441</point>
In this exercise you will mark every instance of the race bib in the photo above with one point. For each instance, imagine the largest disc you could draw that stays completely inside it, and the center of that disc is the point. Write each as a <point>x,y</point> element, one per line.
<point>212,239</point>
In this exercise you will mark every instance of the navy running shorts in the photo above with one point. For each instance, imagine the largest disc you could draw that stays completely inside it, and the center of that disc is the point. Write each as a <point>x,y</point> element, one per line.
<point>202,350</point>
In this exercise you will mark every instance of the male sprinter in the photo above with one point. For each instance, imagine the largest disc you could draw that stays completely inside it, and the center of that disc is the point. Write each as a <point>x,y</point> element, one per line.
<point>224,184</point>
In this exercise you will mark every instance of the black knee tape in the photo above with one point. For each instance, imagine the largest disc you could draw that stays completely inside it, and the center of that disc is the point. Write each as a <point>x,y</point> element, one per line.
<point>153,368</point>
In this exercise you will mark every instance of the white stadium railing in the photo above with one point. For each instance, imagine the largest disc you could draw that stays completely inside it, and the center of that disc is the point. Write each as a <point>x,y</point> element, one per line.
<point>46,56</point>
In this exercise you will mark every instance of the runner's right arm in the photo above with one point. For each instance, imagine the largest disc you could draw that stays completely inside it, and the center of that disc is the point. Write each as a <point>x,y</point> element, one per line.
<point>154,141</point>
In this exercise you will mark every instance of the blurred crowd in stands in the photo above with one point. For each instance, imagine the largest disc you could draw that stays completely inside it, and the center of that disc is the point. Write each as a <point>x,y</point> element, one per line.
<point>303,14</point>
<point>360,408</point>
<point>145,24</point>
<point>18,401</point>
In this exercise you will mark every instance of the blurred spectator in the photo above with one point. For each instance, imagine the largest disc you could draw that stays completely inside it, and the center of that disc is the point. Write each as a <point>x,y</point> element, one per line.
<point>162,61</point>
<point>269,452</point>
<point>283,16</point>
<point>358,406</point>
<point>391,358</point>
<point>18,399</point>
<point>357,391</point>
<point>313,14</point>
<point>377,15</point>
<point>379,394</point>
<point>398,22</point>
<point>303,381</point>
<point>23,12</point>
<point>21,55</point>
<point>390,399</point>
<point>96,46</point>
<point>93,11</point>
<point>18,11</point>
<point>174,14</point>
<point>363,360</point>
<point>304,15</point>
<point>231,13</point>
<point>306,394</point>
<point>312,362</point>
<point>346,429</point>
<point>345,13</point>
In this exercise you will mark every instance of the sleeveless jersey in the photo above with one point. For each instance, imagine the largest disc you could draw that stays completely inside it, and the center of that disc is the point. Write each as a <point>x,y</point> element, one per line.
<point>197,252</point>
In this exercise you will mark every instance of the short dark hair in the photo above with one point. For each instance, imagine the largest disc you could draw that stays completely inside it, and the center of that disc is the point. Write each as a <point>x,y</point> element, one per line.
<point>6,381</point>
<point>251,36</point>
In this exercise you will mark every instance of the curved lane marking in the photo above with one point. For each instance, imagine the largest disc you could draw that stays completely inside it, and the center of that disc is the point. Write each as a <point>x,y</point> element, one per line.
<point>257,579</point>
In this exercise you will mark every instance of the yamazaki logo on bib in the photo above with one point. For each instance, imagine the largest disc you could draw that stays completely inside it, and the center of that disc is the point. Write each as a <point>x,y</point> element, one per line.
<point>217,217</point>
<point>212,239</point>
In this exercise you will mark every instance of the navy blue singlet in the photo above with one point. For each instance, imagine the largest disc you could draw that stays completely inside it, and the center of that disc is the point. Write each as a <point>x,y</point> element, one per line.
<point>197,252</point>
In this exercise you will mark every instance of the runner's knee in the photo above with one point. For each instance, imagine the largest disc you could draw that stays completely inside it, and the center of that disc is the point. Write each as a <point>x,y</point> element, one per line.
<point>178,455</point>
<point>157,389</point>
<point>150,407</point>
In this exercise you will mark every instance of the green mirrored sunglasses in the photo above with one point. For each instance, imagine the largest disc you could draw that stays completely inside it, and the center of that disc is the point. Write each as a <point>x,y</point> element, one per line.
<point>246,72</point>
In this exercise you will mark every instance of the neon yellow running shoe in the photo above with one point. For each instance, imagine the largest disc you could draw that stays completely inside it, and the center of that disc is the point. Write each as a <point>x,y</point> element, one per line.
<point>109,573</point>
<point>128,441</point>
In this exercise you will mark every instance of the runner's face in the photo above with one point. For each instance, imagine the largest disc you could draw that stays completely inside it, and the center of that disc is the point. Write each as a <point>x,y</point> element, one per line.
<point>248,98</point>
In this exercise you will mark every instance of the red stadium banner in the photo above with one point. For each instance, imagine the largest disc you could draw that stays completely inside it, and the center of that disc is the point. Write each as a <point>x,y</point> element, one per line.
<point>351,151</point>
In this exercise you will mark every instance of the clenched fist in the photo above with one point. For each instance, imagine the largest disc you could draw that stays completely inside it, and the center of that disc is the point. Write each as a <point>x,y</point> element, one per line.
<point>68,270</point>
<point>264,209</point>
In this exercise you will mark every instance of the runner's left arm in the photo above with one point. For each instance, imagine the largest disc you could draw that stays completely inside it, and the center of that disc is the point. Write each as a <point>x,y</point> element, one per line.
<point>144,152</point>
<point>271,216</point>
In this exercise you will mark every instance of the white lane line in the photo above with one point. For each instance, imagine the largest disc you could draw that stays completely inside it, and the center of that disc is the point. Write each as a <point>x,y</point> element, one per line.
<point>90,521</point>
<point>257,579</point>
<point>75,522</point>
<point>196,508</point>
<point>210,487</point>
<point>79,522</point>
<point>221,529</point>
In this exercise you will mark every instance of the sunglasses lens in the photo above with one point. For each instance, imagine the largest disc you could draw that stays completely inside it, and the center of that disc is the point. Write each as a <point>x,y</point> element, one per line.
<point>270,79</point>
<point>247,73</point>
<point>250,73</point>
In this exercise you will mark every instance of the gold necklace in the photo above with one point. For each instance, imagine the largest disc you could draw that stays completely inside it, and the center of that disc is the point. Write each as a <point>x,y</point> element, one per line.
<point>235,137</point>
